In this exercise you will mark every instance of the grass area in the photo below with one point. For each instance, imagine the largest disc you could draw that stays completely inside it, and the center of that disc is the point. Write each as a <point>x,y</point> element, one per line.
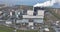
<point>5,29</point>
<point>27,30</point>
<point>9,29</point>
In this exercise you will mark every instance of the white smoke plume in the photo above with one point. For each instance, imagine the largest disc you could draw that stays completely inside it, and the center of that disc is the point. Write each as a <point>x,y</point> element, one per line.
<point>48,3</point>
<point>58,1</point>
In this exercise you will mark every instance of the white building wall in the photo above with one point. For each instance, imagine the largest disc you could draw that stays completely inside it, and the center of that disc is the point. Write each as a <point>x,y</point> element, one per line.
<point>1,12</point>
<point>10,13</point>
<point>22,21</point>
<point>31,16</point>
<point>38,20</point>
<point>30,12</point>
<point>31,23</point>
<point>41,12</point>
<point>8,22</point>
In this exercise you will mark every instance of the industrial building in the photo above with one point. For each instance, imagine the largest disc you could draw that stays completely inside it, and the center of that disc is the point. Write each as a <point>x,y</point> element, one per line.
<point>30,18</point>
<point>33,17</point>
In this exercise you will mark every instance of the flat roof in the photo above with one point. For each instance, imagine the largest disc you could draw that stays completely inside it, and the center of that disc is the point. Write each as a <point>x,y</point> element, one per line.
<point>31,16</point>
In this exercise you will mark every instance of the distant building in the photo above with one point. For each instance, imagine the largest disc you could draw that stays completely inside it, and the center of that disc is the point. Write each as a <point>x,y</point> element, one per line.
<point>2,6</point>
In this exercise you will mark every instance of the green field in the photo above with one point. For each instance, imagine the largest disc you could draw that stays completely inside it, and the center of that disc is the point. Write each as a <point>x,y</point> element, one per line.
<point>9,29</point>
<point>27,31</point>
<point>5,29</point>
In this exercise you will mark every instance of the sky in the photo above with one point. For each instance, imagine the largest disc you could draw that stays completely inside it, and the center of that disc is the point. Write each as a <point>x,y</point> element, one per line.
<point>21,2</point>
<point>24,2</point>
